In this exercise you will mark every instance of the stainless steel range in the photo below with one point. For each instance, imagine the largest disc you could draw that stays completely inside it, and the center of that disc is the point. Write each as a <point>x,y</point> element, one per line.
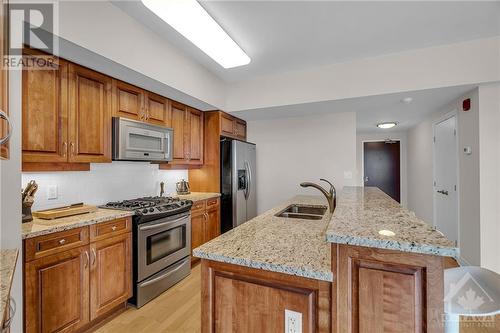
<point>161,244</point>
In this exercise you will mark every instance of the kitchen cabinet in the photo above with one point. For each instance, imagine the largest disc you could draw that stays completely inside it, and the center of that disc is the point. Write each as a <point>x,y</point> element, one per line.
<point>138,104</point>
<point>4,78</point>
<point>75,278</point>
<point>205,222</point>
<point>232,127</point>
<point>188,136</point>
<point>256,300</point>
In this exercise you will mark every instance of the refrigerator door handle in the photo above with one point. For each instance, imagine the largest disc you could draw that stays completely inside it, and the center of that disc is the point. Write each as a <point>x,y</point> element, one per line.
<point>249,180</point>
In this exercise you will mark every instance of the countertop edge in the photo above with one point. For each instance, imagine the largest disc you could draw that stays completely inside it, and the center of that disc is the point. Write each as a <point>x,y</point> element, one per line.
<point>84,223</point>
<point>6,295</point>
<point>277,268</point>
<point>394,245</point>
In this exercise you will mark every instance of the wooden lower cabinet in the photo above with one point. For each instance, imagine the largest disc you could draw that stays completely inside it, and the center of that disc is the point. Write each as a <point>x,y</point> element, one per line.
<point>241,299</point>
<point>57,292</point>
<point>378,290</point>
<point>72,289</point>
<point>110,274</point>
<point>205,222</point>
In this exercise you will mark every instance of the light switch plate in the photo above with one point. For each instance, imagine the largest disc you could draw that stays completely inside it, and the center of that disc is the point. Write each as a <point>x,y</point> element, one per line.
<point>293,321</point>
<point>52,192</point>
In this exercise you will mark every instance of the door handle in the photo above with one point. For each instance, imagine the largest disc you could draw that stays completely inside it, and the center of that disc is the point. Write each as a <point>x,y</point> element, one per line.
<point>6,138</point>
<point>443,192</point>
<point>366,179</point>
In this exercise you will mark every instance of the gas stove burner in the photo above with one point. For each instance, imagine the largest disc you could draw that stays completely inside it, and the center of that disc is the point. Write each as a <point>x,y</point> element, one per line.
<point>149,208</point>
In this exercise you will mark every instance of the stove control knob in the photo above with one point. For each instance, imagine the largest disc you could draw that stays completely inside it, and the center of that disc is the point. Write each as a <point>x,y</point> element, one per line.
<point>151,209</point>
<point>145,210</point>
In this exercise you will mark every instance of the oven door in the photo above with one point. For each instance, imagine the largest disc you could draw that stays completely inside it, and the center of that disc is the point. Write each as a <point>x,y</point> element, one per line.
<point>161,243</point>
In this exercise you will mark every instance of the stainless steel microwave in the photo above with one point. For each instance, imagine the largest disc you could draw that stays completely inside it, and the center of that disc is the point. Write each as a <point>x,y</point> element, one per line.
<point>138,141</point>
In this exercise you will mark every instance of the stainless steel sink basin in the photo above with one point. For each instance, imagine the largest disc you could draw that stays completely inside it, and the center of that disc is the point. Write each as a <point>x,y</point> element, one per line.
<point>296,211</point>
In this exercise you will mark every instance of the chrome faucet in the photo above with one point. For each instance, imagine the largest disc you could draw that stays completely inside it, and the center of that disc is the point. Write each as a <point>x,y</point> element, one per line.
<point>331,195</point>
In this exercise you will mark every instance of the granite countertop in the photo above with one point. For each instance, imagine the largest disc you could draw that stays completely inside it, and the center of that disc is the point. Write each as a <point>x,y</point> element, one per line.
<point>284,245</point>
<point>8,260</point>
<point>362,212</point>
<point>40,227</point>
<point>197,196</point>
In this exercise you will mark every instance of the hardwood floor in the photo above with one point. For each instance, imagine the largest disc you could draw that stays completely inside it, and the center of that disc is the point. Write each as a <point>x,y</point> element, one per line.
<point>178,310</point>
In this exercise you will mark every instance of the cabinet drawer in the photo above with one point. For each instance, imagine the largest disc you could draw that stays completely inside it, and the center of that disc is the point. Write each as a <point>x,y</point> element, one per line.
<point>212,203</point>
<point>45,245</point>
<point>110,228</point>
<point>198,205</point>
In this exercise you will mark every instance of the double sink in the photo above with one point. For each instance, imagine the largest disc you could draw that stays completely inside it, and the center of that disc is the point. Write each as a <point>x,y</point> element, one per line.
<point>306,212</point>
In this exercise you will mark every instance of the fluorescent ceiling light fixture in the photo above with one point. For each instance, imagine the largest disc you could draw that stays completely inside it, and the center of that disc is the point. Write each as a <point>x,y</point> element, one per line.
<point>192,21</point>
<point>387,125</point>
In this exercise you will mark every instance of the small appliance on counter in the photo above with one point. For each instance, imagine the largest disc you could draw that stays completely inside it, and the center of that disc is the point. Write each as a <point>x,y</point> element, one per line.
<point>28,198</point>
<point>182,187</point>
<point>161,244</point>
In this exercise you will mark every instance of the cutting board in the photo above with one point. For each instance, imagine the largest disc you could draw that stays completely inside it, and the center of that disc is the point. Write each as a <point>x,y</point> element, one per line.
<point>56,213</point>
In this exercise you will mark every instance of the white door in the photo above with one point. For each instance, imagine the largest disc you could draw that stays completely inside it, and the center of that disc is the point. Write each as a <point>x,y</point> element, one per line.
<point>445,178</point>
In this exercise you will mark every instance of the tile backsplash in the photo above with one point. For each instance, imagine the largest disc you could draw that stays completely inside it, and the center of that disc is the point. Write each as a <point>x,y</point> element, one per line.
<point>103,183</point>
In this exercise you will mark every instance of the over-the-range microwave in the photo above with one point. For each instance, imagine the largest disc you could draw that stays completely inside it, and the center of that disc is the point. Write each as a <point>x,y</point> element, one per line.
<point>138,141</point>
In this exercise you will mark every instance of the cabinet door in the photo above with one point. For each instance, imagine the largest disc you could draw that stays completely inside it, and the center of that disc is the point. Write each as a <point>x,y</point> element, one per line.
<point>4,77</point>
<point>45,114</point>
<point>197,229</point>
<point>110,274</point>
<point>127,101</point>
<point>157,109</point>
<point>89,116</point>
<point>227,124</point>
<point>195,136</point>
<point>179,126</point>
<point>213,223</point>
<point>57,292</point>
<point>240,129</point>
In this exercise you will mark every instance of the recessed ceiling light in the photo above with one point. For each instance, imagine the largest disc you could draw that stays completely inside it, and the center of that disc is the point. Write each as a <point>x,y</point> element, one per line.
<point>192,21</point>
<point>387,125</point>
<point>387,233</point>
<point>407,100</point>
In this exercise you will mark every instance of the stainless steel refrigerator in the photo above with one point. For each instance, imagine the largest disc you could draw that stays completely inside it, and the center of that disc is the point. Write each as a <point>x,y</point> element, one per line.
<point>238,194</point>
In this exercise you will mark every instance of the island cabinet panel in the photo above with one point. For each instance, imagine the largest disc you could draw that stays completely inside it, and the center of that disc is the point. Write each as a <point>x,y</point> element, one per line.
<point>242,299</point>
<point>377,290</point>
<point>57,292</point>
<point>110,274</point>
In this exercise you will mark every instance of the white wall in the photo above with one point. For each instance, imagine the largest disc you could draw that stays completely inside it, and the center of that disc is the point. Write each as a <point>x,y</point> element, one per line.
<point>401,137</point>
<point>489,156</point>
<point>421,176</point>
<point>294,150</point>
<point>104,183</point>
<point>108,31</point>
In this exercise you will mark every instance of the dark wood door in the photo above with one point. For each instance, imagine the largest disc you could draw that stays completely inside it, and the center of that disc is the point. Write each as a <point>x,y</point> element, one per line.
<point>57,292</point>
<point>110,274</point>
<point>382,167</point>
<point>44,113</point>
<point>89,116</point>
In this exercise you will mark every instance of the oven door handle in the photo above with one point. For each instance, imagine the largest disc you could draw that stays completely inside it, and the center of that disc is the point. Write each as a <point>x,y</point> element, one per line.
<point>164,276</point>
<point>159,225</point>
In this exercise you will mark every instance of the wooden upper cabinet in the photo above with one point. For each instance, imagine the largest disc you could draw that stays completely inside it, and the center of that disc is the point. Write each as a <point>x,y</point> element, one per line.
<point>179,126</point>
<point>4,78</point>
<point>127,101</point>
<point>157,109</point>
<point>110,273</point>
<point>240,129</point>
<point>89,116</point>
<point>57,292</point>
<point>195,135</point>
<point>45,114</point>
<point>227,124</point>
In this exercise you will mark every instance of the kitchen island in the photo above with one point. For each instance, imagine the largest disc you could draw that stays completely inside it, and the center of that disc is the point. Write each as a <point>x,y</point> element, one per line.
<point>372,266</point>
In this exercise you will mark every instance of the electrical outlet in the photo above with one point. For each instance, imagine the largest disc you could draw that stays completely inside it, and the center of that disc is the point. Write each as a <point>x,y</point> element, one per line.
<point>52,192</point>
<point>293,321</point>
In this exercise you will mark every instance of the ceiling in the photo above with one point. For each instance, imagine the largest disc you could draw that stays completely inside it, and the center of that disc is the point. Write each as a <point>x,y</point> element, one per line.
<point>281,36</point>
<point>370,110</point>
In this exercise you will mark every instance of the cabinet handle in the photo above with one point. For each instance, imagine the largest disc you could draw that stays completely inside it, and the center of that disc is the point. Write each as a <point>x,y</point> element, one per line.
<point>72,148</point>
<point>6,138</point>
<point>88,259</point>
<point>65,149</point>
<point>113,228</point>
<point>62,241</point>
<point>93,256</point>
